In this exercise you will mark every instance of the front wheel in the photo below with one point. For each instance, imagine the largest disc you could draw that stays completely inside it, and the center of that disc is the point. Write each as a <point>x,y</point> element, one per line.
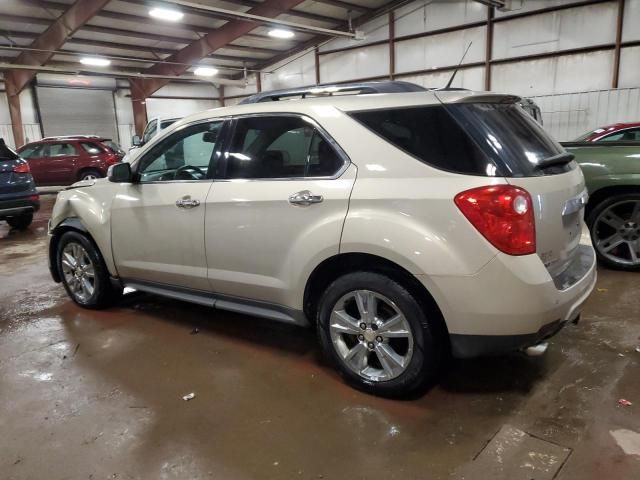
<point>90,175</point>
<point>377,335</point>
<point>615,231</point>
<point>83,272</point>
<point>20,222</point>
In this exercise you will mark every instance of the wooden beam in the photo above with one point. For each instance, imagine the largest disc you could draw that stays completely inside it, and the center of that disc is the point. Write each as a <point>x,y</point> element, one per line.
<point>15,113</point>
<point>138,102</point>
<point>616,54</point>
<point>211,42</point>
<point>53,38</point>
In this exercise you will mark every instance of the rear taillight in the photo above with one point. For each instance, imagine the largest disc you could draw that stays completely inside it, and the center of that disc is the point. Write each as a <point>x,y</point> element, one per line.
<point>503,215</point>
<point>112,158</point>
<point>22,168</point>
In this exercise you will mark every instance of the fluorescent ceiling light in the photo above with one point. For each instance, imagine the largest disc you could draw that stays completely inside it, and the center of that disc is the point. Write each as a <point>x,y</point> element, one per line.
<point>205,71</point>
<point>95,61</point>
<point>281,33</point>
<point>166,14</point>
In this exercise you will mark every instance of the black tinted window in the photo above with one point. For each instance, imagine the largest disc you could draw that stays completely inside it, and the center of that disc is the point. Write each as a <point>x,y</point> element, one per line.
<point>511,137</point>
<point>279,147</point>
<point>431,135</point>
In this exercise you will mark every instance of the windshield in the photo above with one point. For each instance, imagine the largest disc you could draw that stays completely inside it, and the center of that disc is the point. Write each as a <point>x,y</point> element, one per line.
<point>585,137</point>
<point>511,137</point>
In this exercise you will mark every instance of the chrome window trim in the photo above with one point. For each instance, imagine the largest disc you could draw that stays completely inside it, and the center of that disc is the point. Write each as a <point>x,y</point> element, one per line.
<point>346,161</point>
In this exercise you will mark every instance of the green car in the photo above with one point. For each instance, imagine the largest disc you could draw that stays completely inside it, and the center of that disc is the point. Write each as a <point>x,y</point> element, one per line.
<point>612,173</point>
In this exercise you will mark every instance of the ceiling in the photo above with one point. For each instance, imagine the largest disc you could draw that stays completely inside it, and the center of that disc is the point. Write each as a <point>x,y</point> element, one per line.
<point>124,32</point>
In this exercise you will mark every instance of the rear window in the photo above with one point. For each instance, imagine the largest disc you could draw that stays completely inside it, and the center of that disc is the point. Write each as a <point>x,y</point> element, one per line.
<point>486,139</point>
<point>91,148</point>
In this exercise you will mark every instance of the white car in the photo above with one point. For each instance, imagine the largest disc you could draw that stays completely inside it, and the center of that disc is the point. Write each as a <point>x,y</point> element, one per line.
<point>403,226</point>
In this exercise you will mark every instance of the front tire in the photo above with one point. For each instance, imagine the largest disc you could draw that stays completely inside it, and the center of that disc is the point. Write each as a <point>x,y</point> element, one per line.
<point>83,272</point>
<point>89,175</point>
<point>20,222</point>
<point>615,231</point>
<point>378,336</point>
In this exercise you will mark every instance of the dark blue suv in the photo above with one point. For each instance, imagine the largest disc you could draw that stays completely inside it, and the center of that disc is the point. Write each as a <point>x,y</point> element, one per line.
<point>19,199</point>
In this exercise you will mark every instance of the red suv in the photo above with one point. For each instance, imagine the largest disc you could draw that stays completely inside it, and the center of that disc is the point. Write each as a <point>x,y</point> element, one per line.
<point>65,160</point>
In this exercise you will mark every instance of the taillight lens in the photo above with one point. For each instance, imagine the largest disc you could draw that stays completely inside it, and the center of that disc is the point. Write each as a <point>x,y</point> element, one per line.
<point>503,215</point>
<point>22,167</point>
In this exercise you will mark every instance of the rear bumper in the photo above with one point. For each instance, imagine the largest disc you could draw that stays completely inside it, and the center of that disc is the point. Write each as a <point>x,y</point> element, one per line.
<point>18,206</point>
<point>512,302</point>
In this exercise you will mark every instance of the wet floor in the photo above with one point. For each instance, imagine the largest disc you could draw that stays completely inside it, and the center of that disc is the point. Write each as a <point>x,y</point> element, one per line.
<point>97,395</point>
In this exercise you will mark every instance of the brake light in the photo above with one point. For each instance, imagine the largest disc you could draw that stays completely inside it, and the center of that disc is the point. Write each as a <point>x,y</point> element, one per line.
<point>112,158</point>
<point>22,168</point>
<point>503,215</point>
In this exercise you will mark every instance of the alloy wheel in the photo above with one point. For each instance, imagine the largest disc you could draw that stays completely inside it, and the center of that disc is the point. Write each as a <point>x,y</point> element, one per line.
<point>89,176</point>
<point>78,271</point>
<point>617,232</point>
<point>371,335</point>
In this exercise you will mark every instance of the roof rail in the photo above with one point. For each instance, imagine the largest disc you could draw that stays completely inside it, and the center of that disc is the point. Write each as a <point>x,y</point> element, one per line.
<point>68,137</point>
<point>332,89</point>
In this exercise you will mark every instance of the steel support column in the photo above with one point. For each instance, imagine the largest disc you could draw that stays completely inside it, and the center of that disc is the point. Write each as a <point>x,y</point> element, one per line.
<point>488,48</point>
<point>13,99</point>
<point>616,55</point>
<point>392,45</point>
<point>138,103</point>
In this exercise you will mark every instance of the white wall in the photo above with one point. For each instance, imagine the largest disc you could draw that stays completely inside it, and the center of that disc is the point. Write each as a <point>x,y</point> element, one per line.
<point>31,127</point>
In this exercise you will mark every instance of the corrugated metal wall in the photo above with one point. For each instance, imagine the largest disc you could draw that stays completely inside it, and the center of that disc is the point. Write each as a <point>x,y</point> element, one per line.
<point>569,115</point>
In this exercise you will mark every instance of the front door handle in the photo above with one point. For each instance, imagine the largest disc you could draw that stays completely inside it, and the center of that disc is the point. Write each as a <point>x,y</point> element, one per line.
<point>305,198</point>
<point>186,202</point>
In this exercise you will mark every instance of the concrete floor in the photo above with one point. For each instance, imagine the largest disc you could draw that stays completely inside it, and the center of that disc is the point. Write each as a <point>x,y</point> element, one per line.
<point>96,395</point>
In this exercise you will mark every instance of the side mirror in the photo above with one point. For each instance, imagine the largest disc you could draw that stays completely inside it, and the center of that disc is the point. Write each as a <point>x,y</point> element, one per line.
<point>136,141</point>
<point>120,173</point>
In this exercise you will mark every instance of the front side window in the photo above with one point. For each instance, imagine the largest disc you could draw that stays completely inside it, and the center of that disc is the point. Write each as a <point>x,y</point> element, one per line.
<point>34,151</point>
<point>184,155</point>
<point>280,147</point>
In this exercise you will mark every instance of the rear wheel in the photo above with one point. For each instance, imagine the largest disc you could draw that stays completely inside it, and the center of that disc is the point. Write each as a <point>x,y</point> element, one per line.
<point>377,335</point>
<point>89,175</point>
<point>20,222</point>
<point>83,272</point>
<point>615,231</point>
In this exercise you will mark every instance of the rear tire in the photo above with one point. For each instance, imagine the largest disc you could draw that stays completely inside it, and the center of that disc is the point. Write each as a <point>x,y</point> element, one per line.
<point>20,222</point>
<point>614,224</point>
<point>89,175</point>
<point>83,272</point>
<point>397,356</point>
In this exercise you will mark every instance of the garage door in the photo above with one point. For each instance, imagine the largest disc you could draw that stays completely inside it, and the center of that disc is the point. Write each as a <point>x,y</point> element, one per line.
<point>74,111</point>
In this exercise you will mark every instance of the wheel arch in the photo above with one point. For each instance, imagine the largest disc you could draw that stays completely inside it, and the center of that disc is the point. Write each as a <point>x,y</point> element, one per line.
<point>333,267</point>
<point>87,169</point>
<point>72,224</point>
<point>604,193</point>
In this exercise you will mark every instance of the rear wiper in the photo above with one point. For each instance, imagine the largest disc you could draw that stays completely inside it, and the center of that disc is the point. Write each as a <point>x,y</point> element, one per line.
<point>559,159</point>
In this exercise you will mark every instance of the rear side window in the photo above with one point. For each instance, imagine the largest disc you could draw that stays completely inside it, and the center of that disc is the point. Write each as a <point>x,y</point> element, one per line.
<point>91,148</point>
<point>431,135</point>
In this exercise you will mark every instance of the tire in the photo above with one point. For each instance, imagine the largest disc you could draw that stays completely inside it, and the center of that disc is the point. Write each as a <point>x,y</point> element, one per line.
<point>614,224</point>
<point>419,351</point>
<point>21,222</point>
<point>89,174</point>
<point>103,294</point>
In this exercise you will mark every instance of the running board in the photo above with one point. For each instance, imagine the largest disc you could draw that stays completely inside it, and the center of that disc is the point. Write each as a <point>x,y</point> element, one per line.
<point>223,302</point>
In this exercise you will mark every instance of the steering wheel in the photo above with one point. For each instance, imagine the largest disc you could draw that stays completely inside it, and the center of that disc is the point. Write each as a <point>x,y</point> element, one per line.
<point>194,170</point>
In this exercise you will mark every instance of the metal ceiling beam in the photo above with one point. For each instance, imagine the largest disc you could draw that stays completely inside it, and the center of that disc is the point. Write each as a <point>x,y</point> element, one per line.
<point>202,9</point>
<point>210,43</point>
<point>301,47</point>
<point>248,3</point>
<point>53,38</point>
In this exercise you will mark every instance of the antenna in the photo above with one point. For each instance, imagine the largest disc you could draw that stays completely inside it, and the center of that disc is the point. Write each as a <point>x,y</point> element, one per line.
<point>453,75</point>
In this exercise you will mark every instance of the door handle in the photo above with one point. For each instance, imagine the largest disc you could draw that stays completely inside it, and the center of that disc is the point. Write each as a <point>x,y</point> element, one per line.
<point>186,202</point>
<point>305,198</point>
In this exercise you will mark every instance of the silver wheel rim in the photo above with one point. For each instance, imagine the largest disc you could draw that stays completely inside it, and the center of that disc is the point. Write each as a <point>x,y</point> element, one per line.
<point>371,335</point>
<point>78,271</point>
<point>617,233</point>
<point>89,176</point>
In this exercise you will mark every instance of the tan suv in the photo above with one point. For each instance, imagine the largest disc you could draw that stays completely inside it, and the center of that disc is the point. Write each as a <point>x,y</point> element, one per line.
<point>404,226</point>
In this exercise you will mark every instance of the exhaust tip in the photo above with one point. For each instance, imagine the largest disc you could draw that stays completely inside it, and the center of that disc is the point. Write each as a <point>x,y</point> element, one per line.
<point>537,350</point>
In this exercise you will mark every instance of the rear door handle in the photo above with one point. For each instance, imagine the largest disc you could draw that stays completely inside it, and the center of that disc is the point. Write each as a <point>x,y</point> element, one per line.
<point>305,198</point>
<point>186,202</point>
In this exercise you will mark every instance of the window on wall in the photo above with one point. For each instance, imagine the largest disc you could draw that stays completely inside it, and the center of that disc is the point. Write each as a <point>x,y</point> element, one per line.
<point>279,147</point>
<point>184,155</point>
